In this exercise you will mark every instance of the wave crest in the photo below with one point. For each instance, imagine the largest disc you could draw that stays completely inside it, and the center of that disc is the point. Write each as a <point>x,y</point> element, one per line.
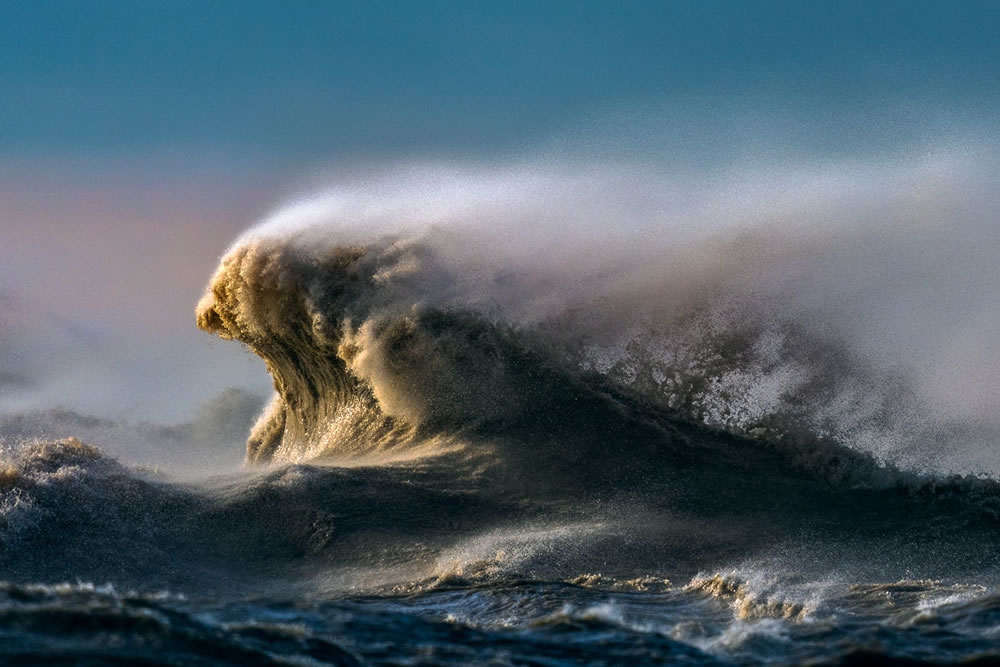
<point>415,311</point>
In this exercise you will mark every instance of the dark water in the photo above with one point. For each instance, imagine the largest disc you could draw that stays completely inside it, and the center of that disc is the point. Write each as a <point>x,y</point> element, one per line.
<point>437,481</point>
<point>425,562</point>
<point>513,623</point>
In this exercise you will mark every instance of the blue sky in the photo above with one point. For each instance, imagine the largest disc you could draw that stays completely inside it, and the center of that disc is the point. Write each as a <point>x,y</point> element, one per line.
<point>310,80</point>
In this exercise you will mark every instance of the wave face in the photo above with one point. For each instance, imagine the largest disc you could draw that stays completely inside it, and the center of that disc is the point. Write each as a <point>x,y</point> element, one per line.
<point>361,367</point>
<point>411,309</point>
<point>440,319</point>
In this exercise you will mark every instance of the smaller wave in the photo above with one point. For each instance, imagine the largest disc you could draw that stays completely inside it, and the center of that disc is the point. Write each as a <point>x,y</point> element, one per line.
<point>641,584</point>
<point>206,444</point>
<point>746,604</point>
<point>87,624</point>
<point>29,476</point>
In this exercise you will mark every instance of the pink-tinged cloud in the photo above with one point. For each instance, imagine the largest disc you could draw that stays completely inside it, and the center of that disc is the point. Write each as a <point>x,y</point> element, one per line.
<point>100,267</point>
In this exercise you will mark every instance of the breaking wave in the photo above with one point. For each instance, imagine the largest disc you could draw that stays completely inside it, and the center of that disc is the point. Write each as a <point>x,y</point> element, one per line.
<point>443,308</point>
<point>440,317</point>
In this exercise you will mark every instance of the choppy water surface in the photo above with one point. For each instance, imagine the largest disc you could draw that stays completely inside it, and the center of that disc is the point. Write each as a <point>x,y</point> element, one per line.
<point>588,621</point>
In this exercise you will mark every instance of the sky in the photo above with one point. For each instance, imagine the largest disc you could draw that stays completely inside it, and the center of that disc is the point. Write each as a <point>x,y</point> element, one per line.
<point>137,139</point>
<point>294,81</point>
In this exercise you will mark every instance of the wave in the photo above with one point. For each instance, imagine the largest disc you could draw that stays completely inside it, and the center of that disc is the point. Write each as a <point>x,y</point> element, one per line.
<point>394,347</point>
<point>362,367</point>
<point>87,624</point>
<point>705,421</point>
<point>434,297</point>
<point>354,374</point>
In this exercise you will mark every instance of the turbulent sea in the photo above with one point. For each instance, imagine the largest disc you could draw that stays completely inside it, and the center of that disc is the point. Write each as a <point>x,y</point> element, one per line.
<point>500,444</point>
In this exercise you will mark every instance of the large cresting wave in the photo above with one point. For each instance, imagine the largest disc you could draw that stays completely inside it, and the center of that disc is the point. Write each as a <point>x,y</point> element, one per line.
<point>553,346</point>
<point>579,314</point>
